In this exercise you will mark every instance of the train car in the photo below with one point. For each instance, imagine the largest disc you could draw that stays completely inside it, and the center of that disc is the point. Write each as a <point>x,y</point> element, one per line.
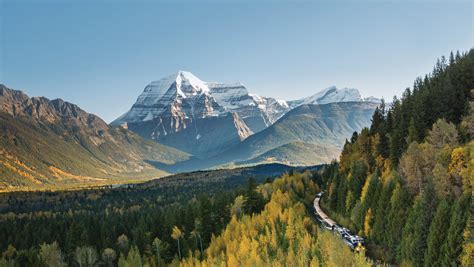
<point>341,231</point>
<point>354,242</point>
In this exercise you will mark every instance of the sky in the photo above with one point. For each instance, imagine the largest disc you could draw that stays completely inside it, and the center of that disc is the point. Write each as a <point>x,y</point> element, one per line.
<point>101,54</point>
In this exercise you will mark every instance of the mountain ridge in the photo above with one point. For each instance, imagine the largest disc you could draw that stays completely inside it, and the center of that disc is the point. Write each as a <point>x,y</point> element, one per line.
<point>55,143</point>
<point>181,103</point>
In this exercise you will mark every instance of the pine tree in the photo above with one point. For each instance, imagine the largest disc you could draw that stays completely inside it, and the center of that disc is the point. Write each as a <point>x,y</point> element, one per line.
<point>436,236</point>
<point>452,247</point>
<point>254,201</point>
<point>378,120</point>
<point>380,218</point>
<point>413,244</point>
<point>397,218</point>
<point>134,258</point>
<point>413,135</point>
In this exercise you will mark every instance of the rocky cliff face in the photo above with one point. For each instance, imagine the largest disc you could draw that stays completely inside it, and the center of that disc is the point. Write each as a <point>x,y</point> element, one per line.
<point>209,136</point>
<point>16,103</point>
<point>256,111</point>
<point>182,106</point>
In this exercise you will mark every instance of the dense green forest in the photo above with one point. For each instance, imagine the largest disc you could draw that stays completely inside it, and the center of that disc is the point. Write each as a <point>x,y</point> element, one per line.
<point>405,183</point>
<point>100,225</point>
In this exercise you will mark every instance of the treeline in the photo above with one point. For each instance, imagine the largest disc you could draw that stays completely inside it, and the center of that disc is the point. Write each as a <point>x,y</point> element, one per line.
<point>283,234</point>
<point>124,227</point>
<point>405,183</point>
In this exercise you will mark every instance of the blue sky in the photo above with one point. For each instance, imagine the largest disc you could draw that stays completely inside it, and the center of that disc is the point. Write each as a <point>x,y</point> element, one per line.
<point>101,54</point>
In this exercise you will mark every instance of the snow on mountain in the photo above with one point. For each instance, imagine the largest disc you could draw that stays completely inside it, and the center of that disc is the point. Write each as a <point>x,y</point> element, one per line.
<point>183,95</point>
<point>256,111</point>
<point>334,95</point>
<point>186,85</point>
<point>230,96</point>
<point>182,106</point>
<point>206,118</point>
<point>372,99</point>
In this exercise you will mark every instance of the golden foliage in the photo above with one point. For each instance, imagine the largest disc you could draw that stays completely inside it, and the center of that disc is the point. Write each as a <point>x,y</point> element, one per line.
<point>281,235</point>
<point>368,222</point>
<point>60,174</point>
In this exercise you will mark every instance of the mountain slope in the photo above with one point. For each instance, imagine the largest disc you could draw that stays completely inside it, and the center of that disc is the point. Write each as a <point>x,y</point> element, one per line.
<point>47,143</point>
<point>296,154</point>
<point>175,109</point>
<point>209,137</point>
<point>256,111</point>
<point>327,126</point>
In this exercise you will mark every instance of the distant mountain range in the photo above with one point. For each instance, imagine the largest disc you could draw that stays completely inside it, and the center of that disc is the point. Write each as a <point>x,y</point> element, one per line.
<point>207,118</point>
<point>178,123</point>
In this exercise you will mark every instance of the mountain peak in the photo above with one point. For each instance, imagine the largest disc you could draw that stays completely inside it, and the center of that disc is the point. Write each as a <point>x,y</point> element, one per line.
<point>185,83</point>
<point>334,94</point>
<point>187,76</point>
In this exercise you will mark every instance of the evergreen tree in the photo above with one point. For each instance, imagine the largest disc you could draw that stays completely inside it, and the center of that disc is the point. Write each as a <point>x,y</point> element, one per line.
<point>436,236</point>
<point>412,132</point>
<point>380,219</point>
<point>452,247</point>
<point>415,233</point>
<point>397,218</point>
<point>254,201</point>
<point>378,119</point>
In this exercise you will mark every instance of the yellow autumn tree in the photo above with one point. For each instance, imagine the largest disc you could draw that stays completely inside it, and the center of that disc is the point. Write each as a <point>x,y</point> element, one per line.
<point>281,235</point>
<point>368,222</point>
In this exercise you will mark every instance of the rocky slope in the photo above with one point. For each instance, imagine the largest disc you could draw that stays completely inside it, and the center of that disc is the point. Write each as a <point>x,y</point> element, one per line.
<point>256,111</point>
<point>323,127</point>
<point>206,118</point>
<point>306,135</point>
<point>55,143</point>
<point>179,110</point>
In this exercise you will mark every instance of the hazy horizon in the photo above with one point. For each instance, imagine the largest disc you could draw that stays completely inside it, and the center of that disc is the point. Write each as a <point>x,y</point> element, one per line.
<point>100,55</point>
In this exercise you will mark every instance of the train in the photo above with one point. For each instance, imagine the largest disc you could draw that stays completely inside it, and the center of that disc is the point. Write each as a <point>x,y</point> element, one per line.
<point>355,242</point>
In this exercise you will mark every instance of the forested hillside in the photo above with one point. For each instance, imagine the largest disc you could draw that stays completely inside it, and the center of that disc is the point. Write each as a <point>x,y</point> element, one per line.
<point>260,225</point>
<point>283,234</point>
<point>405,183</point>
<point>50,228</point>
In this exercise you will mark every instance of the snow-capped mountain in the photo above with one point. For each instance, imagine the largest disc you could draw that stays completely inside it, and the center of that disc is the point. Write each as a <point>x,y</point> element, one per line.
<point>183,96</point>
<point>333,95</point>
<point>257,112</point>
<point>182,103</point>
<point>206,118</point>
